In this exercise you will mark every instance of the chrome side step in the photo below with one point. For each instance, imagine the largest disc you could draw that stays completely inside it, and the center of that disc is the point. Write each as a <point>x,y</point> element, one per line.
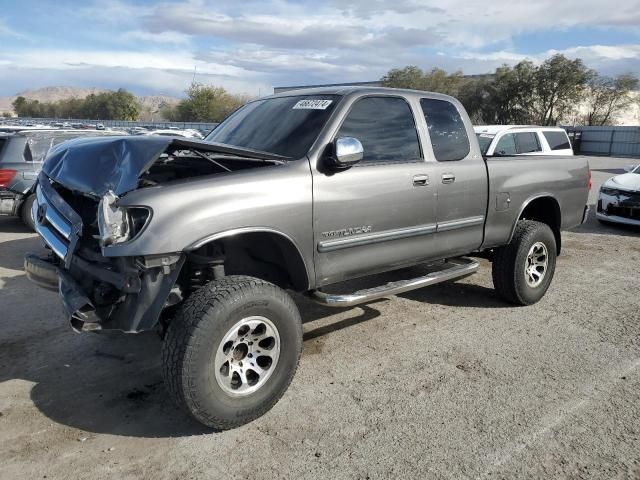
<point>460,267</point>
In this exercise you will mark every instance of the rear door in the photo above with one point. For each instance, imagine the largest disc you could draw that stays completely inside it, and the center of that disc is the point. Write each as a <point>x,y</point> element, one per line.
<point>461,179</point>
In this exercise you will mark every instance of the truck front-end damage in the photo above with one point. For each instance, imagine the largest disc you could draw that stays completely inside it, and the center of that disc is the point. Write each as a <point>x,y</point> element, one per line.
<point>80,216</point>
<point>98,292</point>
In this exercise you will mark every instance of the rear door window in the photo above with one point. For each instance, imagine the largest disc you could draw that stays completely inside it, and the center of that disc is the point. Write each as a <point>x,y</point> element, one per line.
<point>386,128</point>
<point>557,140</point>
<point>527,142</point>
<point>506,145</point>
<point>446,129</point>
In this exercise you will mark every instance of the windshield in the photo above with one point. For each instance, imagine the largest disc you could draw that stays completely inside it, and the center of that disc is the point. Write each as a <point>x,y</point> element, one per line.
<point>484,139</point>
<point>286,126</point>
<point>636,170</point>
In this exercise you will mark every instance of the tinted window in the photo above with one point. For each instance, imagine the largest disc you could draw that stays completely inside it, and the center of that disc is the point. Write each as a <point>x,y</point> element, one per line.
<point>484,139</point>
<point>385,127</point>
<point>506,145</point>
<point>527,142</point>
<point>557,140</point>
<point>285,126</point>
<point>446,129</point>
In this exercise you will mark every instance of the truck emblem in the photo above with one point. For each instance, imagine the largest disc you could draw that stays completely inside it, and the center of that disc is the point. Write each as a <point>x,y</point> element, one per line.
<point>41,214</point>
<point>346,232</point>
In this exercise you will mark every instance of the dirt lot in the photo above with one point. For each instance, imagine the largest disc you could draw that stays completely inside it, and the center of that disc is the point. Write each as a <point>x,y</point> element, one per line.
<point>446,382</point>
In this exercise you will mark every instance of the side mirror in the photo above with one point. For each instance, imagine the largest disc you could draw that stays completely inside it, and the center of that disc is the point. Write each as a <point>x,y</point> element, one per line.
<point>630,168</point>
<point>347,151</point>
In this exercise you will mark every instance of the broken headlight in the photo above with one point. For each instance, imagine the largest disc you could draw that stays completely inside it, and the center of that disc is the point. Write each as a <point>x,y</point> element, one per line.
<point>119,224</point>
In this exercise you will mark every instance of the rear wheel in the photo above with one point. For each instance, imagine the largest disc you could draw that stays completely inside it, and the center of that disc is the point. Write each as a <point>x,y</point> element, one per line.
<point>232,350</point>
<point>522,270</point>
<point>25,212</point>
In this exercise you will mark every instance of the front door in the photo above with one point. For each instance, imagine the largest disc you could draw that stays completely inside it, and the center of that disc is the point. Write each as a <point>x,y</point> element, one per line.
<point>381,213</point>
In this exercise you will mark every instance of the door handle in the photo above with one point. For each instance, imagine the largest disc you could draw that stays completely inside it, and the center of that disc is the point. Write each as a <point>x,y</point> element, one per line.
<point>448,178</point>
<point>420,180</point>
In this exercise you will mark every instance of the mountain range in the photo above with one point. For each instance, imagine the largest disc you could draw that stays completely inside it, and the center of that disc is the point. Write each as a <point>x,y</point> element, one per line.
<point>149,103</point>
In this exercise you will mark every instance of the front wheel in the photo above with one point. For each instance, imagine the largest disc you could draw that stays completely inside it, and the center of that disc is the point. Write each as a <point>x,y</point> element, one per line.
<point>522,270</point>
<point>232,350</point>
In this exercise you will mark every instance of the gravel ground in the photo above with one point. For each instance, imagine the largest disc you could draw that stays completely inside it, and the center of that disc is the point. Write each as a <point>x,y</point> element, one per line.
<point>444,382</point>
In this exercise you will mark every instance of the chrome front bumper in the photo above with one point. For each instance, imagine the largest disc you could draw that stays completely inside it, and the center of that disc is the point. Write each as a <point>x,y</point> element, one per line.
<point>55,221</point>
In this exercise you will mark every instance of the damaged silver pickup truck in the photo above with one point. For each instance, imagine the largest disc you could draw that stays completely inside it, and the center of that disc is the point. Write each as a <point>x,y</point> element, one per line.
<point>298,191</point>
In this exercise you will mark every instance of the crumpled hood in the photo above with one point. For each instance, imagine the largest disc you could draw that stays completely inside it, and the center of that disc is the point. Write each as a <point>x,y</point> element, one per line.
<point>626,181</point>
<point>99,164</point>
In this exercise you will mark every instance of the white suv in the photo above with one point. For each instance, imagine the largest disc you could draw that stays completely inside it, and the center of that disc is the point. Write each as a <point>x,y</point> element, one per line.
<point>497,140</point>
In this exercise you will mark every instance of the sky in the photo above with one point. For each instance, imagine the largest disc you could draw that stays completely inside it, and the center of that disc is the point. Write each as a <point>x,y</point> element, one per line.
<point>248,47</point>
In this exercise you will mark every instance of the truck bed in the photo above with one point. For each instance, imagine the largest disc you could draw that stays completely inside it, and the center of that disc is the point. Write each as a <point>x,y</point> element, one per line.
<point>514,181</point>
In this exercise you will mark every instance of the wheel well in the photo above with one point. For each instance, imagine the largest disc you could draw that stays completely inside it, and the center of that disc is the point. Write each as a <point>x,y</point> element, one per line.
<point>545,210</point>
<point>265,255</point>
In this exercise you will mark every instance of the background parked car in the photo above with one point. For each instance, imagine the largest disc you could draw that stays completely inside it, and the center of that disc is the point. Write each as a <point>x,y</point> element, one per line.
<point>21,157</point>
<point>522,140</point>
<point>619,198</point>
<point>175,132</point>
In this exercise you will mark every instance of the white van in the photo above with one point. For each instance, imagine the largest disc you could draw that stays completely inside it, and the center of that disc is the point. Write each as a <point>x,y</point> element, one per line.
<point>496,140</point>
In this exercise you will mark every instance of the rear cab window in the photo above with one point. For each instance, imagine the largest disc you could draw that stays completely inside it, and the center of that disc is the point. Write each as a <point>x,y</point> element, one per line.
<point>447,131</point>
<point>557,140</point>
<point>386,128</point>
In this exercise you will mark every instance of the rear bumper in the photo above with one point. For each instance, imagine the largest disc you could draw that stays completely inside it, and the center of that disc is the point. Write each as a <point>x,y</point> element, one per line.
<point>10,202</point>
<point>585,214</point>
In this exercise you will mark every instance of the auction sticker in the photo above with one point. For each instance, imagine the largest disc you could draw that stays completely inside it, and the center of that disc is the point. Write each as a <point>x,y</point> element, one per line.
<point>312,104</point>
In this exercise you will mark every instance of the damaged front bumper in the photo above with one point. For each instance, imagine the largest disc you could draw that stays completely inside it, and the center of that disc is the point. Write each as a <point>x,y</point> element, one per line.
<point>619,207</point>
<point>98,293</point>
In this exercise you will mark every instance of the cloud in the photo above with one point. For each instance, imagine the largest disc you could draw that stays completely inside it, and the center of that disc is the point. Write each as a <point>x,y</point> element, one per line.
<point>175,38</point>
<point>247,46</point>
<point>6,31</point>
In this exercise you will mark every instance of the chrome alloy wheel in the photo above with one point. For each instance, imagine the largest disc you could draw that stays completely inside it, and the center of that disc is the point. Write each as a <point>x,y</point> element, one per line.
<point>247,356</point>
<point>536,264</point>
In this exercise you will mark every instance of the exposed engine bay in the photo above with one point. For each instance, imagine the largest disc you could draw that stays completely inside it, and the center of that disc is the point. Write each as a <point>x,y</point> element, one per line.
<point>178,163</point>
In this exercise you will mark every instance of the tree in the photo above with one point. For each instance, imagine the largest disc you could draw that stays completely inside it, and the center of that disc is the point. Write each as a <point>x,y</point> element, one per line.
<point>559,87</point>
<point>436,80</point>
<point>204,104</point>
<point>19,106</point>
<point>607,96</point>
<point>119,105</point>
<point>408,77</point>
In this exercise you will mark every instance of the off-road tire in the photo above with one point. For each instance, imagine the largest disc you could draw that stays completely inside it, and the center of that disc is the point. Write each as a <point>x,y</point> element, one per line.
<point>25,212</point>
<point>509,263</point>
<point>196,332</point>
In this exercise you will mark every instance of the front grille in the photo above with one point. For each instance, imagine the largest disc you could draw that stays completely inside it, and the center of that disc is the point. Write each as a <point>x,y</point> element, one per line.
<point>622,211</point>
<point>56,222</point>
